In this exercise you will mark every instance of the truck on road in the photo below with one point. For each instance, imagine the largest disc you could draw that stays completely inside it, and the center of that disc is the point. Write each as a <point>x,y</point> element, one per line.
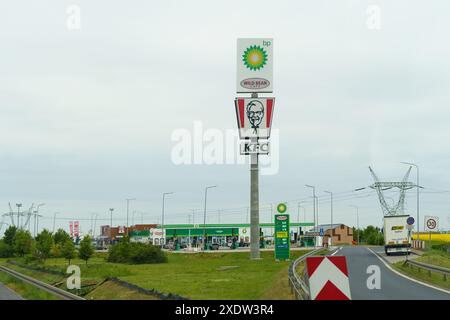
<point>396,235</point>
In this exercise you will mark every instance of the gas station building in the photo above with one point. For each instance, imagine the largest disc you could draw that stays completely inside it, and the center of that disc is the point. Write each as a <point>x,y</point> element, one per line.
<point>221,234</point>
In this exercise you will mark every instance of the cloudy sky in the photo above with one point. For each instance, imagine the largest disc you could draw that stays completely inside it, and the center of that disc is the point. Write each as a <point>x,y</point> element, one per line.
<point>87,115</point>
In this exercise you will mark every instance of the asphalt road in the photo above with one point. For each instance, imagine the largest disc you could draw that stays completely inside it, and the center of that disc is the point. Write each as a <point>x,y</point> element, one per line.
<point>7,294</point>
<point>393,286</point>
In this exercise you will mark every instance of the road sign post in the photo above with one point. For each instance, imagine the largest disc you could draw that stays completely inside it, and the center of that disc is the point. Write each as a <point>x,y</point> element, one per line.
<point>254,75</point>
<point>431,224</point>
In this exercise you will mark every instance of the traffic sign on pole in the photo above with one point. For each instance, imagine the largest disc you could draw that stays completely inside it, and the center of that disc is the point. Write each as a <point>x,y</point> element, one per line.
<point>431,223</point>
<point>328,278</point>
<point>410,220</point>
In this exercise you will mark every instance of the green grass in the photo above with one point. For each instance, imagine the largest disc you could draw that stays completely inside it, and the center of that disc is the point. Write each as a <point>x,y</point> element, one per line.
<point>434,257</point>
<point>195,276</point>
<point>114,291</point>
<point>25,290</point>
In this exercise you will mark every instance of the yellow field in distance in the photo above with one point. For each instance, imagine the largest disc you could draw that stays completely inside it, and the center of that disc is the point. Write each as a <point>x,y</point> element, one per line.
<point>434,236</point>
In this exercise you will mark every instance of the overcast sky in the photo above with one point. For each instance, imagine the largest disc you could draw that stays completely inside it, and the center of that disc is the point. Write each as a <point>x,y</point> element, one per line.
<point>86,116</point>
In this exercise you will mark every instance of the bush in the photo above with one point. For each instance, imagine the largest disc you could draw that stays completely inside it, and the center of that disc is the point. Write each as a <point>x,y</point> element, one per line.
<point>6,250</point>
<point>442,246</point>
<point>56,251</point>
<point>135,253</point>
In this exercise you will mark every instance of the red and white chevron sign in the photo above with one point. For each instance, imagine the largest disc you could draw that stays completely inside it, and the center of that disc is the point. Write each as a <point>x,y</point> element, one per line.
<point>328,278</point>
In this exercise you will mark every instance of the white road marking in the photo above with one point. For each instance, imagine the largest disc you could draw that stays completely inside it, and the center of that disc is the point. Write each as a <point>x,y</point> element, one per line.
<point>406,277</point>
<point>336,251</point>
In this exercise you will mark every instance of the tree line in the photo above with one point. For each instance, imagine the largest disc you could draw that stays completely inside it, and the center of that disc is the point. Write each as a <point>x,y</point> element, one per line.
<point>370,235</point>
<point>20,243</point>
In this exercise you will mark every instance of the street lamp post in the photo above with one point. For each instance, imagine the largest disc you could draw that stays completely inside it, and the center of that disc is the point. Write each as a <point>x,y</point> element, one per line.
<point>417,170</point>
<point>298,210</point>
<point>110,227</point>
<point>204,218</point>
<point>331,217</point>
<point>95,224</point>
<point>162,218</point>
<point>18,214</point>
<point>357,220</point>
<point>54,220</point>
<point>314,207</point>
<point>128,209</point>
<point>36,217</point>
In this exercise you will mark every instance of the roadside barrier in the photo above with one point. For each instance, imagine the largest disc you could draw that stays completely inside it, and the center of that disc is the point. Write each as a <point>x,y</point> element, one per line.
<point>430,268</point>
<point>299,288</point>
<point>41,285</point>
<point>418,244</point>
<point>37,268</point>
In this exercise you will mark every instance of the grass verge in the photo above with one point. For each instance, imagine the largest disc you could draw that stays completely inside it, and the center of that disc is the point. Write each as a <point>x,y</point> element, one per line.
<point>113,291</point>
<point>433,257</point>
<point>194,276</point>
<point>25,290</point>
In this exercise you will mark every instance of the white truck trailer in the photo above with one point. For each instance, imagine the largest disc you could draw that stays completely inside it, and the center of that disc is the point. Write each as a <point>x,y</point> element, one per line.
<point>396,235</point>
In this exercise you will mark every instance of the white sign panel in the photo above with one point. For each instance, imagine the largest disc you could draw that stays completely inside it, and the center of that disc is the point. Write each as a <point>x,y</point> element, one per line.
<point>431,223</point>
<point>254,117</point>
<point>260,147</point>
<point>254,65</point>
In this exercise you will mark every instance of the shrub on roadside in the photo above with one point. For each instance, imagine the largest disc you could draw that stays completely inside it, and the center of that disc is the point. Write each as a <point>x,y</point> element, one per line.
<point>6,250</point>
<point>22,243</point>
<point>56,251</point>
<point>135,253</point>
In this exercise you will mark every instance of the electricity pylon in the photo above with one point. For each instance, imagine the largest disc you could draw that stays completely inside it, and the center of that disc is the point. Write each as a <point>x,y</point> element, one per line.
<point>380,186</point>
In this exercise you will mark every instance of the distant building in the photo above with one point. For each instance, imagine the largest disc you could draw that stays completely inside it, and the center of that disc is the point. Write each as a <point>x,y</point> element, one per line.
<point>341,233</point>
<point>116,233</point>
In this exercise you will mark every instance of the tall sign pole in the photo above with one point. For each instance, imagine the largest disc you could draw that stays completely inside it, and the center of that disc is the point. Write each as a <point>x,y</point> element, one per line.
<point>254,205</point>
<point>254,116</point>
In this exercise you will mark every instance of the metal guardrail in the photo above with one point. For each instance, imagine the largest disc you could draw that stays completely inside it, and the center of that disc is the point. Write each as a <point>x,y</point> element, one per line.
<point>41,285</point>
<point>298,286</point>
<point>430,268</point>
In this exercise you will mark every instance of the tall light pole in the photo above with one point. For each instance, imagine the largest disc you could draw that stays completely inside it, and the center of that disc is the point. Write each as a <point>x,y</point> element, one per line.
<point>314,207</point>
<point>162,218</point>
<point>18,214</point>
<point>95,224</point>
<point>128,209</point>
<point>54,220</point>
<point>204,218</point>
<point>357,219</point>
<point>417,170</point>
<point>110,227</point>
<point>36,213</point>
<point>331,217</point>
<point>298,210</point>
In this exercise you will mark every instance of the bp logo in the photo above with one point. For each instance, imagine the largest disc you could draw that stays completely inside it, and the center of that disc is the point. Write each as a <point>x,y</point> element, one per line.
<point>281,208</point>
<point>254,57</point>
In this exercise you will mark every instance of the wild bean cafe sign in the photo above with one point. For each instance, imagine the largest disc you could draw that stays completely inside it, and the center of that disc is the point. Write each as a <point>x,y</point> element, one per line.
<point>254,65</point>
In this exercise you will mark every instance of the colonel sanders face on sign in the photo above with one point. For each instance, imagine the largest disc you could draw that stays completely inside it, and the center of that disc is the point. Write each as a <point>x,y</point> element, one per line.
<point>255,113</point>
